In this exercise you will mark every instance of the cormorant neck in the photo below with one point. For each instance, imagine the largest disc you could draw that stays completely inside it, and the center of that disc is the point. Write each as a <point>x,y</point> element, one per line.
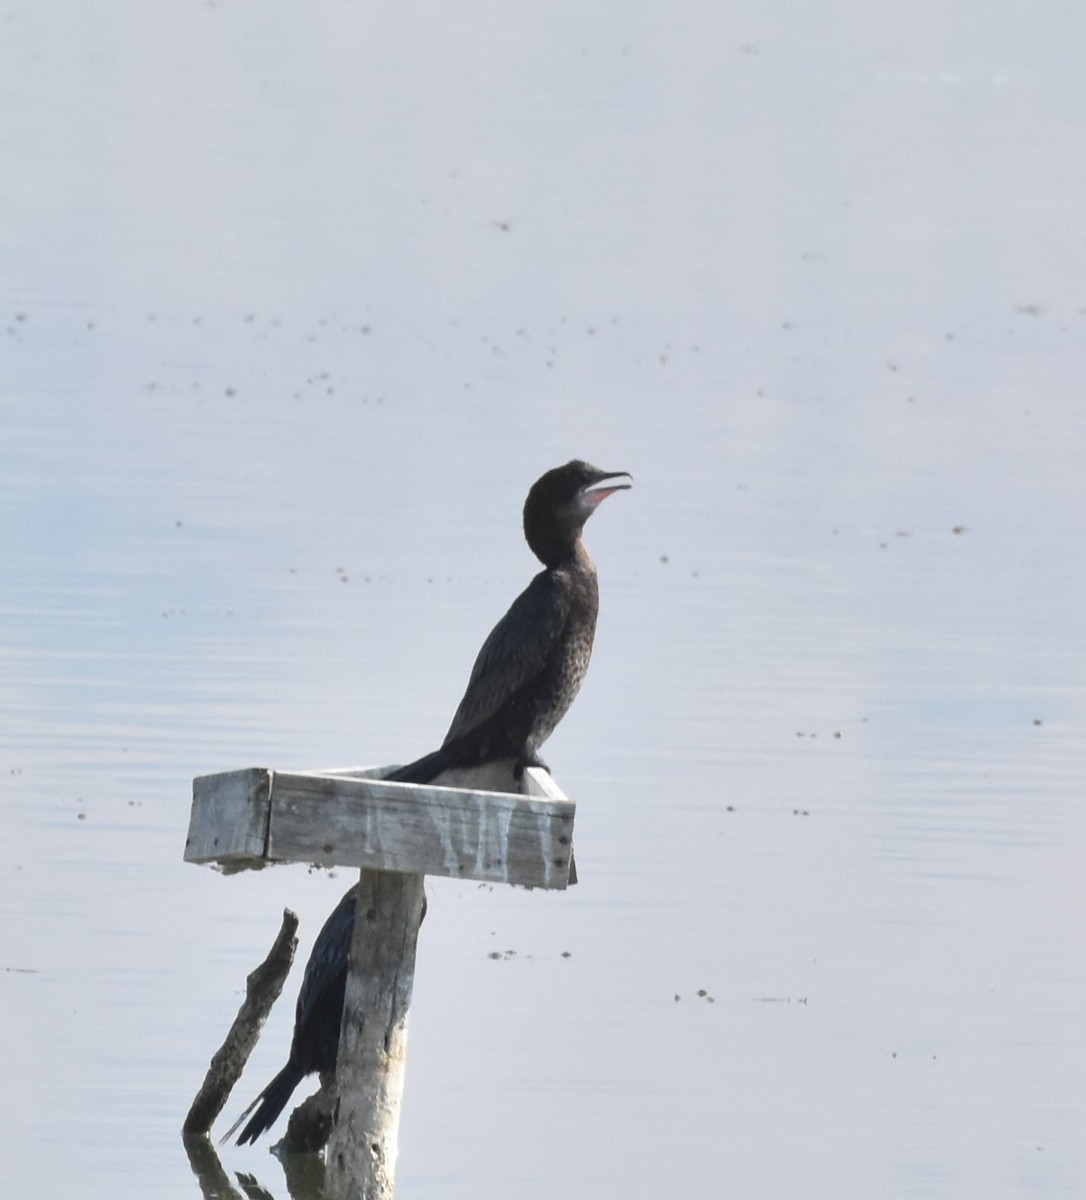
<point>555,544</point>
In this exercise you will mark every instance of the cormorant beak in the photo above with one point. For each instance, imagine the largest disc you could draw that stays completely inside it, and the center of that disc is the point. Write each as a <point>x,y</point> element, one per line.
<point>595,493</point>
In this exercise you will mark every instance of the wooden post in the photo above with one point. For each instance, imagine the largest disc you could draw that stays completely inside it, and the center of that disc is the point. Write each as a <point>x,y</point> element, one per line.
<point>373,1040</point>
<point>397,833</point>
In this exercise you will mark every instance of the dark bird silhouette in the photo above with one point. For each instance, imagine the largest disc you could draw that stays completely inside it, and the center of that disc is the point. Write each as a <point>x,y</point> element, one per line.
<point>525,677</point>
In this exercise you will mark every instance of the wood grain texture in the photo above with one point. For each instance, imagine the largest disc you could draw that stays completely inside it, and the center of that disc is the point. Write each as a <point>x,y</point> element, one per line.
<point>421,829</point>
<point>373,1038</point>
<point>354,818</point>
<point>228,822</point>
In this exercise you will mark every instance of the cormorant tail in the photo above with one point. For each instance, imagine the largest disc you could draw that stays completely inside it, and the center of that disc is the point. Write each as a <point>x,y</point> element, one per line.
<point>422,770</point>
<point>273,1099</point>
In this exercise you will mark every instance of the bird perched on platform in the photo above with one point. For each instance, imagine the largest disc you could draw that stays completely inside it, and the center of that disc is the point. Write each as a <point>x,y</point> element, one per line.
<point>525,677</point>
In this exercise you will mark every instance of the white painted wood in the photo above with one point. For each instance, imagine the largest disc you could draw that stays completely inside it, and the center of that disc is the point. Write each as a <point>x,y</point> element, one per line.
<point>420,829</point>
<point>539,782</point>
<point>352,817</point>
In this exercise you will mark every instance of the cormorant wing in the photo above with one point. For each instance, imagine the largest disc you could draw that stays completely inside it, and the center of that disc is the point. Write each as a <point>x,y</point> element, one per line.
<point>327,959</point>
<point>515,652</point>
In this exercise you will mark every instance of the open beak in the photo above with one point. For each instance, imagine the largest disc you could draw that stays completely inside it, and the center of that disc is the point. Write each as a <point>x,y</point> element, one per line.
<point>605,486</point>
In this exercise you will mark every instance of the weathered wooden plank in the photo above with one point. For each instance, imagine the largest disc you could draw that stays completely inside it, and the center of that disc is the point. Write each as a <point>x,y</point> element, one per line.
<point>538,782</point>
<point>228,823</point>
<point>373,1036</point>
<point>357,772</point>
<point>426,830</point>
<point>494,776</point>
<point>352,817</point>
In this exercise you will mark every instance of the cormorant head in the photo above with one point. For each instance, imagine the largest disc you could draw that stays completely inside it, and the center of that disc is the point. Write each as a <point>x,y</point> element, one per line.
<point>561,501</point>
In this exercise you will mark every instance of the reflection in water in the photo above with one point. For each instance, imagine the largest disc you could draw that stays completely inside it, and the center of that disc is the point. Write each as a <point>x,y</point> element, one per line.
<point>212,1178</point>
<point>305,1175</point>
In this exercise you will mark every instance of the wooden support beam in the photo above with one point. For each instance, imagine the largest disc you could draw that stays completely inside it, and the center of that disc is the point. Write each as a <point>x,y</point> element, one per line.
<point>373,1038</point>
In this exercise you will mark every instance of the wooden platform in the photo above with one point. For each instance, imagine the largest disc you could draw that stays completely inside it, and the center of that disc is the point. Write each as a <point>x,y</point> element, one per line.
<point>246,819</point>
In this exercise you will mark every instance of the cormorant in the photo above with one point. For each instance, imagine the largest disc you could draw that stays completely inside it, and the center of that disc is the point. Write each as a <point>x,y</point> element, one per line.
<point>524,679</point>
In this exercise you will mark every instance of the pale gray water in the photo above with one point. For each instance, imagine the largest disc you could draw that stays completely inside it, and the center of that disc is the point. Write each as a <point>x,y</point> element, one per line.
<point>295,306</point>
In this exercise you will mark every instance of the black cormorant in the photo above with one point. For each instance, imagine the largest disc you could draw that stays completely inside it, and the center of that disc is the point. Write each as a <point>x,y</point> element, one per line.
<point>525,677</point>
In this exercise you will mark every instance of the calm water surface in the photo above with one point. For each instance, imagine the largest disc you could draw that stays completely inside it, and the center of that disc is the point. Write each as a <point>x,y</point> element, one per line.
<point>294,311</point>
